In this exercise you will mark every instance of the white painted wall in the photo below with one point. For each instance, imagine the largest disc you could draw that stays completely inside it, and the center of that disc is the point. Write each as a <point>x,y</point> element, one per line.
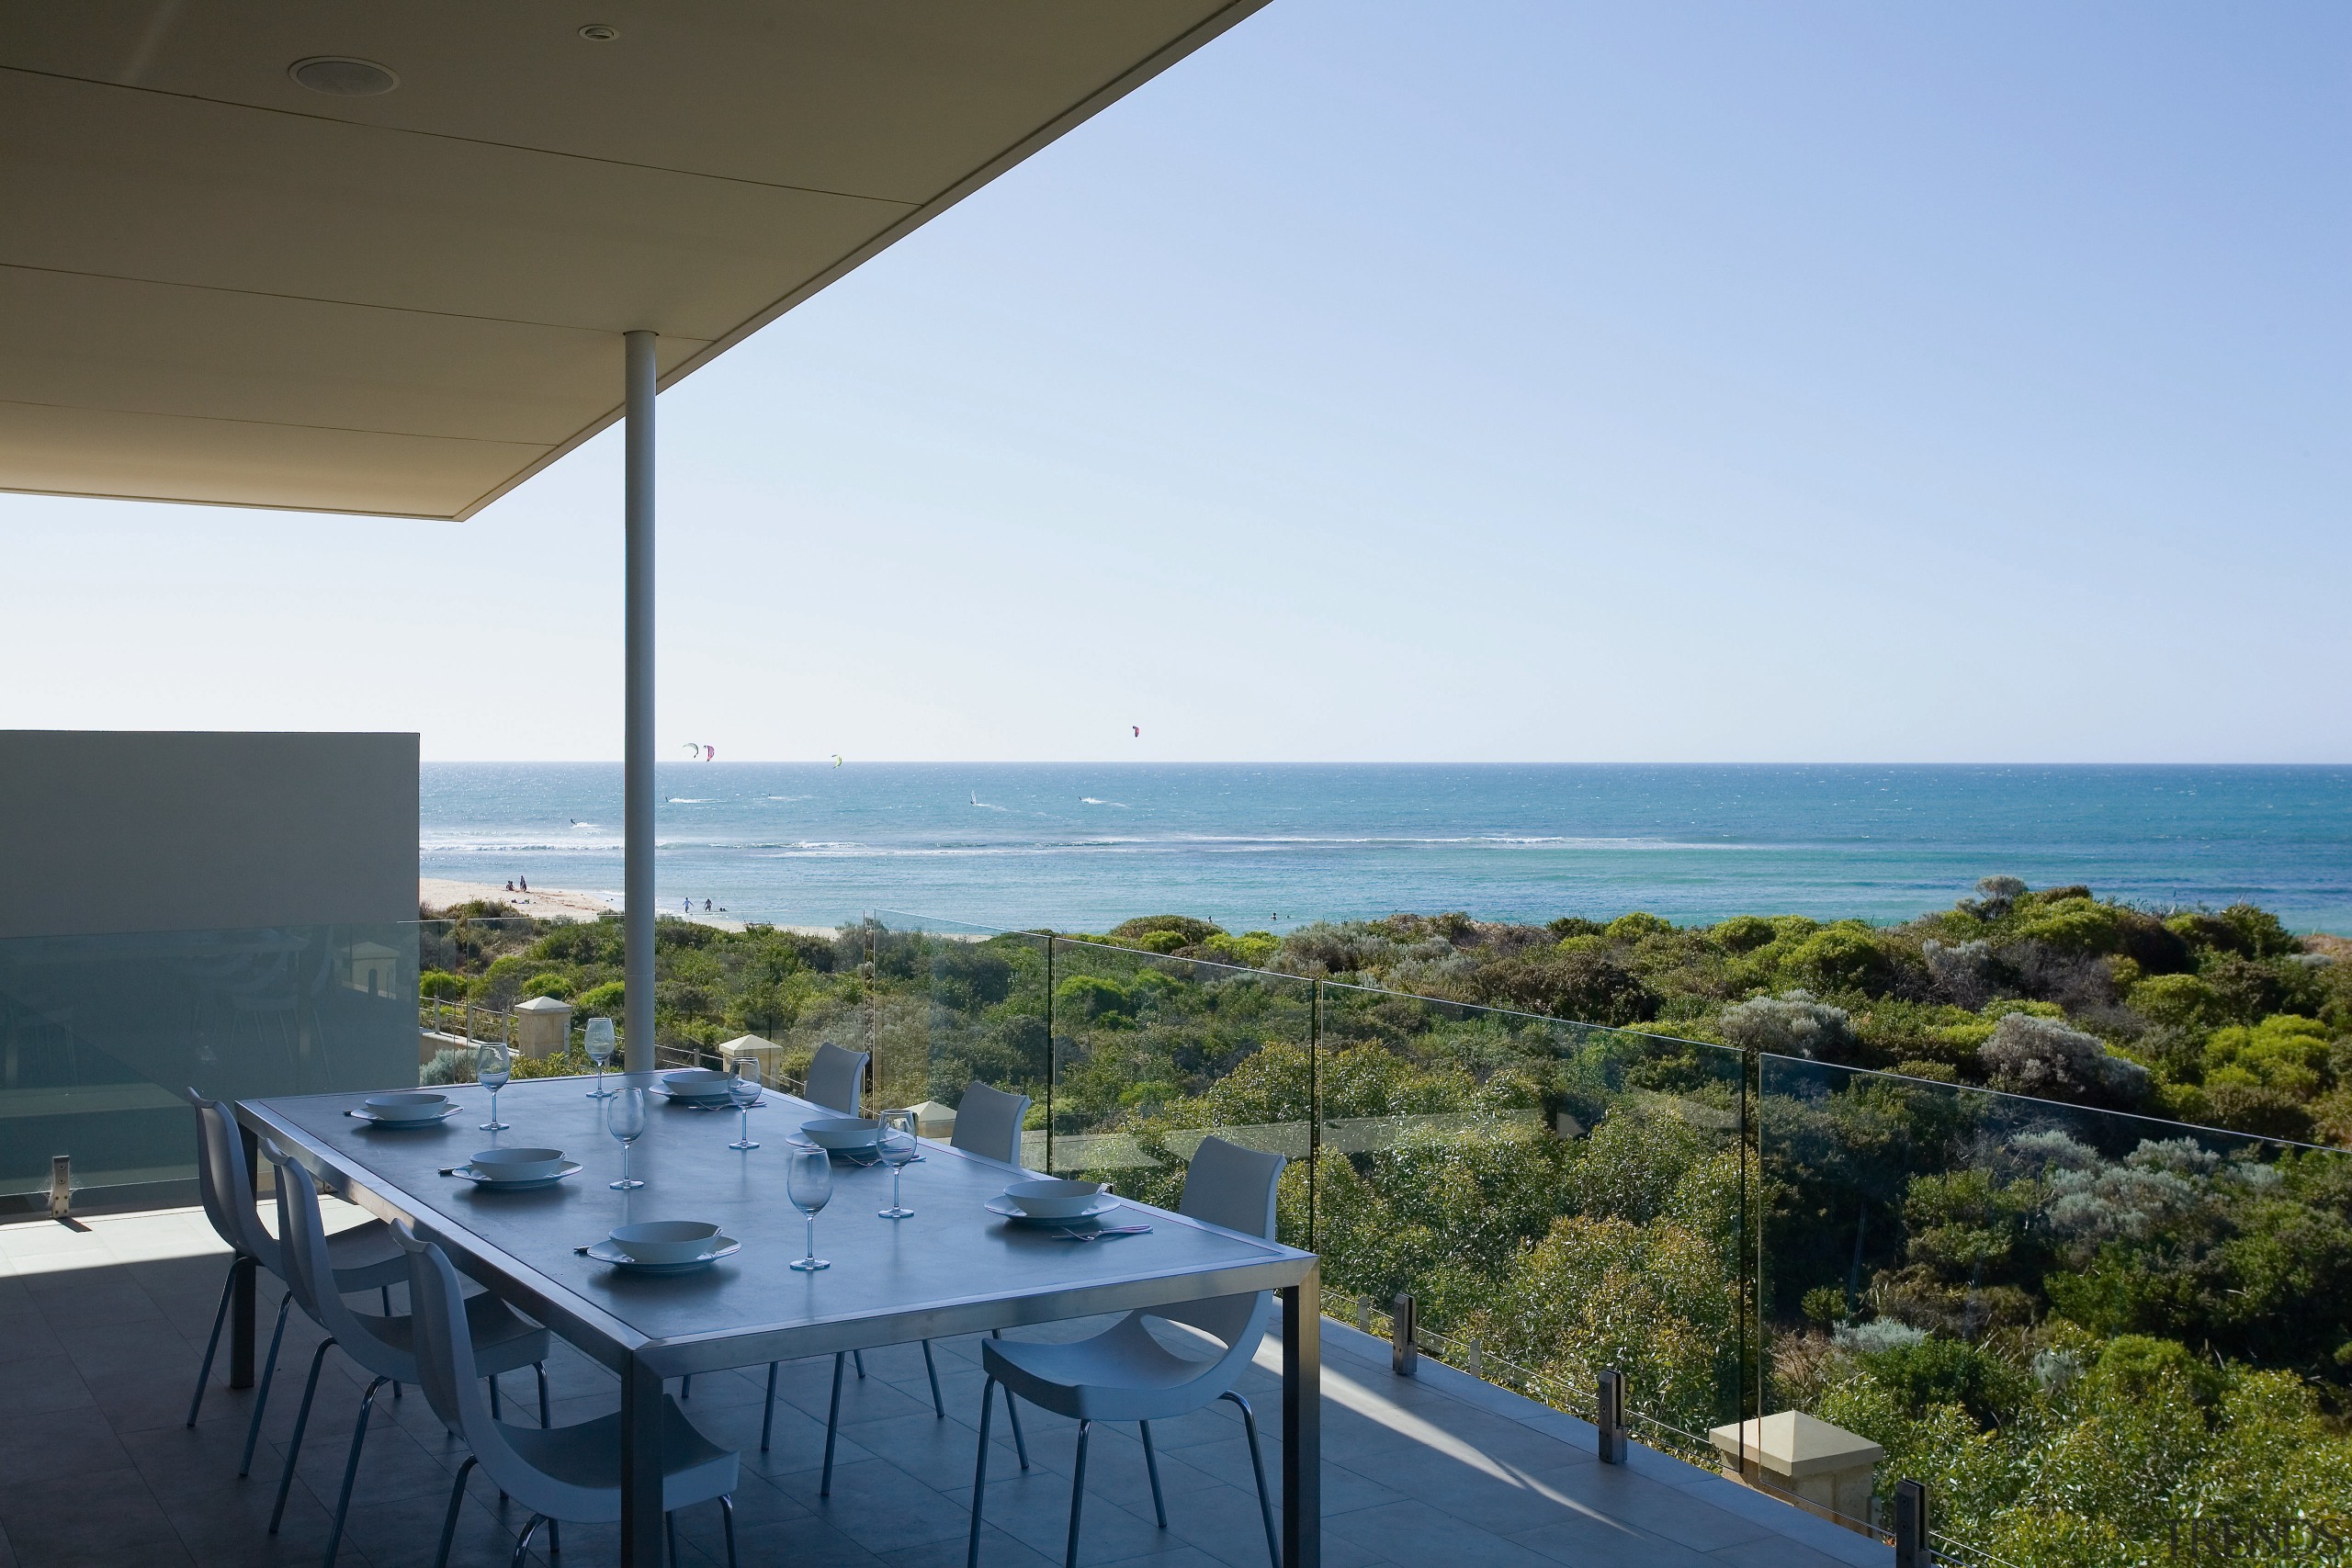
<point>144,830</point>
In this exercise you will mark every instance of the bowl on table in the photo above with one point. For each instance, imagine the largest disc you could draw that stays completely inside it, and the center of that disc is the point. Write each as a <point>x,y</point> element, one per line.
<point>407,1105</point>
<point>842,1131</point>
<point>1054,1199</point>
<point>664,1241</point>
<point>516,1164</point>
<point>697,1084</point>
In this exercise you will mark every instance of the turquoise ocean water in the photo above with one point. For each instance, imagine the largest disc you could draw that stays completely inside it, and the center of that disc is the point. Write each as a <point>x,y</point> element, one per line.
<point>1081,847</point>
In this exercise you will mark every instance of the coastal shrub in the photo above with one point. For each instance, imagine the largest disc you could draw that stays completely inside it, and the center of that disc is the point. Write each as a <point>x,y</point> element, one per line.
<point>2074,925</point>
<point>1843,957</point>
<point>1161,941</point>
<point>1947,1371</point>
<point>2042,1056</point>
<point>1965,973</point>
<point>455,1065</point>
<point>439,985</point>
<point>1188,931</point>
<point>1637,925</point>
<point>1744,933</point>
<point>2258,1109</point>
<point>1250,950</point>
<point>1792,1024</point>
<point>1584,983</point>
<point>1091,998</point>
<point>607,1000</point>
<point>548,983</point>
<point>2284,1052</point>
<point>2177,1002</point>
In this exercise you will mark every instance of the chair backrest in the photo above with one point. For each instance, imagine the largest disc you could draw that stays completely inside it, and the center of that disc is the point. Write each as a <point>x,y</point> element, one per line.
<point>988,1123</point>
<point>836,1077</point>
<point>310,1274</point>
<point>226,1186</point>
<point>1230,1186</point>
<point>453,1386</point>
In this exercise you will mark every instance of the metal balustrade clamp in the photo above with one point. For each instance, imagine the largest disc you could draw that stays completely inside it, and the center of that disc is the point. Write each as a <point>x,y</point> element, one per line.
<point>1611,1416</point>
<point>1404,1357</point>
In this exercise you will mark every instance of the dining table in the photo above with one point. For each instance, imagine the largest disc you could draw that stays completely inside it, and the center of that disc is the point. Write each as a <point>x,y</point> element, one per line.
<point>951,1268</point>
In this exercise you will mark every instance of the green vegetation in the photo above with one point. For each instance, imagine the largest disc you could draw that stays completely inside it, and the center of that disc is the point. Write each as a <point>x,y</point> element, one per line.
<point>2076,1322</point>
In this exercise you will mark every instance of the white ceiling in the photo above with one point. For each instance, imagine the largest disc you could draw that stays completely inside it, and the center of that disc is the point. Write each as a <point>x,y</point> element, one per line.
<point>219,286</point>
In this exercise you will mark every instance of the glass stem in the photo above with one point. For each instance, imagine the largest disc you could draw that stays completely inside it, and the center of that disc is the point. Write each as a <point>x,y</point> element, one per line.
<point>623,1165</point>
<point>896,1171</point>
<point>811,1248</point>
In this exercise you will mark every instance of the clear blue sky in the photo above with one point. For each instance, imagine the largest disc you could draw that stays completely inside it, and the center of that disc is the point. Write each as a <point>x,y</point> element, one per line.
<point>1576,382</point>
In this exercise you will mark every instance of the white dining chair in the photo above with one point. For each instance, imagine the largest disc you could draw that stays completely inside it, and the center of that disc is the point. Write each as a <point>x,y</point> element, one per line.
<point>562,1473</point>
<point>1127,1373</point>
<point>837,1078</point>
<point>988,1123</point>
<point>364,1258</point>
<point>499,1339</point>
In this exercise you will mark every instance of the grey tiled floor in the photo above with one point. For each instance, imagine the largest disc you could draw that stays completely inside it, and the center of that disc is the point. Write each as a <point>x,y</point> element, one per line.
<point>100,1333</point>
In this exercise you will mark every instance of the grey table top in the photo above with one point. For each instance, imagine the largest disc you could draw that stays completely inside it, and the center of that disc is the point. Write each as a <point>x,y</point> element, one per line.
<point>951,1268</point>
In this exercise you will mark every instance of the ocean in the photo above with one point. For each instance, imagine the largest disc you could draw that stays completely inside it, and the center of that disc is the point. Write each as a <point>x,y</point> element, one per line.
<point>1081,847</point>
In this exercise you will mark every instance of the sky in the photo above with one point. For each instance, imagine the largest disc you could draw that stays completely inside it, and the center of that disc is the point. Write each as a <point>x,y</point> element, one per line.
<point>1477,382</point>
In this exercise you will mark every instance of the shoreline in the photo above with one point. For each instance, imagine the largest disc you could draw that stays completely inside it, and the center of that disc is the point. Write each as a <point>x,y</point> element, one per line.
<point>571,904</point>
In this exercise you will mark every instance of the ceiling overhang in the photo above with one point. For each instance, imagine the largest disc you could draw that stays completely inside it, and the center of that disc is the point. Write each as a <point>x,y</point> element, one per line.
<point>221,286</point>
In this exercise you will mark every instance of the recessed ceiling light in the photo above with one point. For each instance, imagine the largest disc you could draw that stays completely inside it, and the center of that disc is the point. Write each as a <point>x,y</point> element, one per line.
<point>342,76</point>
<point>597,32</point>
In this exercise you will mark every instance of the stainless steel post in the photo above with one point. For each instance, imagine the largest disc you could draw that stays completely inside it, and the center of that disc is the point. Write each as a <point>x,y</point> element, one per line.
<point>637,767</point>
<point>1610,1426</point>
<point>1403,1355</point>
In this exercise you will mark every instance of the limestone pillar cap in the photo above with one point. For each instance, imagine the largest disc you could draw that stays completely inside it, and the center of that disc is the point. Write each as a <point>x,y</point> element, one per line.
<point>1793,1444</point>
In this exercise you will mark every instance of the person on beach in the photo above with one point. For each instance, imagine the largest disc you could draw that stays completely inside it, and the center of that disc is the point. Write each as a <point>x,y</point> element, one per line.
<point>705,906</point>
<point>510,885</point>
<point>523,883</point>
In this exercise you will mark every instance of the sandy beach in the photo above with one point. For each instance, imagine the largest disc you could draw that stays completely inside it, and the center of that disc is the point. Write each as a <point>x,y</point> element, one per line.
<point>558,903</point>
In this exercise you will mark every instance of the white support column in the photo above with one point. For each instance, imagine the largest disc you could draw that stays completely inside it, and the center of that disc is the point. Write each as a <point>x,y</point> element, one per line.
<point>638,745</point>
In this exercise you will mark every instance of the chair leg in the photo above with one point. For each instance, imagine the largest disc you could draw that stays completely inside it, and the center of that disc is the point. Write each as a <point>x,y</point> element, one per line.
<point>980,1472</point>
<point>555,1541</point>
<point>449,1520</point>
<point>1013,1415</point>
<point>727,1516</point>
<point>545,1422</point>
<point>294,1443</point>
<point>859,1357</point>
<point>1077,1492</point>
<point>768,1416</point>
<point>686,1386</point>
<point>204,1372</point>
<point>523,1547</point>
<point>1152,1464</point>
<point>938,1405</point>
<point>1257,1465</point>
<point>670,1538</point>
<point>493,1397</point>
<point>350,1472</point>
<point>261,1395</point>
<point>832,1425</point>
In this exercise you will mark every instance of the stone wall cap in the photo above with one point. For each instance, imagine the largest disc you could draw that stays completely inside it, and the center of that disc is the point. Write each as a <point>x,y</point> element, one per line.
<point>1793,1444</point>
<point>543,1004</point>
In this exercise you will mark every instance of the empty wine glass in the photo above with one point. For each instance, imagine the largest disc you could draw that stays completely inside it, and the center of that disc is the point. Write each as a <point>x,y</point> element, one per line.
<point>625,1120</point>
<point>493,1065</point>
<point>808,1182</point>
<point>599,1040</point>
<point>895,1142</point>
<point>743,1089</point>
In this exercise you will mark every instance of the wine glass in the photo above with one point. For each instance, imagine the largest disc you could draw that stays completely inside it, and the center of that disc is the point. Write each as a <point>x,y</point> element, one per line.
<point>743,1089</point>
<point>808,1182</point>
<point>625,1120</point>
<point>493,1065</point>
<point>599,1040</point>
<point>895,1142</point>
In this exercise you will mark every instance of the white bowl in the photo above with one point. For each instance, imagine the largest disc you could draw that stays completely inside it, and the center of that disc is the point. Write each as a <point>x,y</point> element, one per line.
<point>842,1131</point>
<point>407,1105</point>
<point>516,1164</point>
<point>698,1083</point>
<point>1053,1199</point>
<point>664,1241</point>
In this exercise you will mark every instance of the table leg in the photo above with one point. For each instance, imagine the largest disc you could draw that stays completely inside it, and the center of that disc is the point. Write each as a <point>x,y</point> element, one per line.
<point>1302,1422</point>
<point>241,1293</point>
<point>641,1466</point>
